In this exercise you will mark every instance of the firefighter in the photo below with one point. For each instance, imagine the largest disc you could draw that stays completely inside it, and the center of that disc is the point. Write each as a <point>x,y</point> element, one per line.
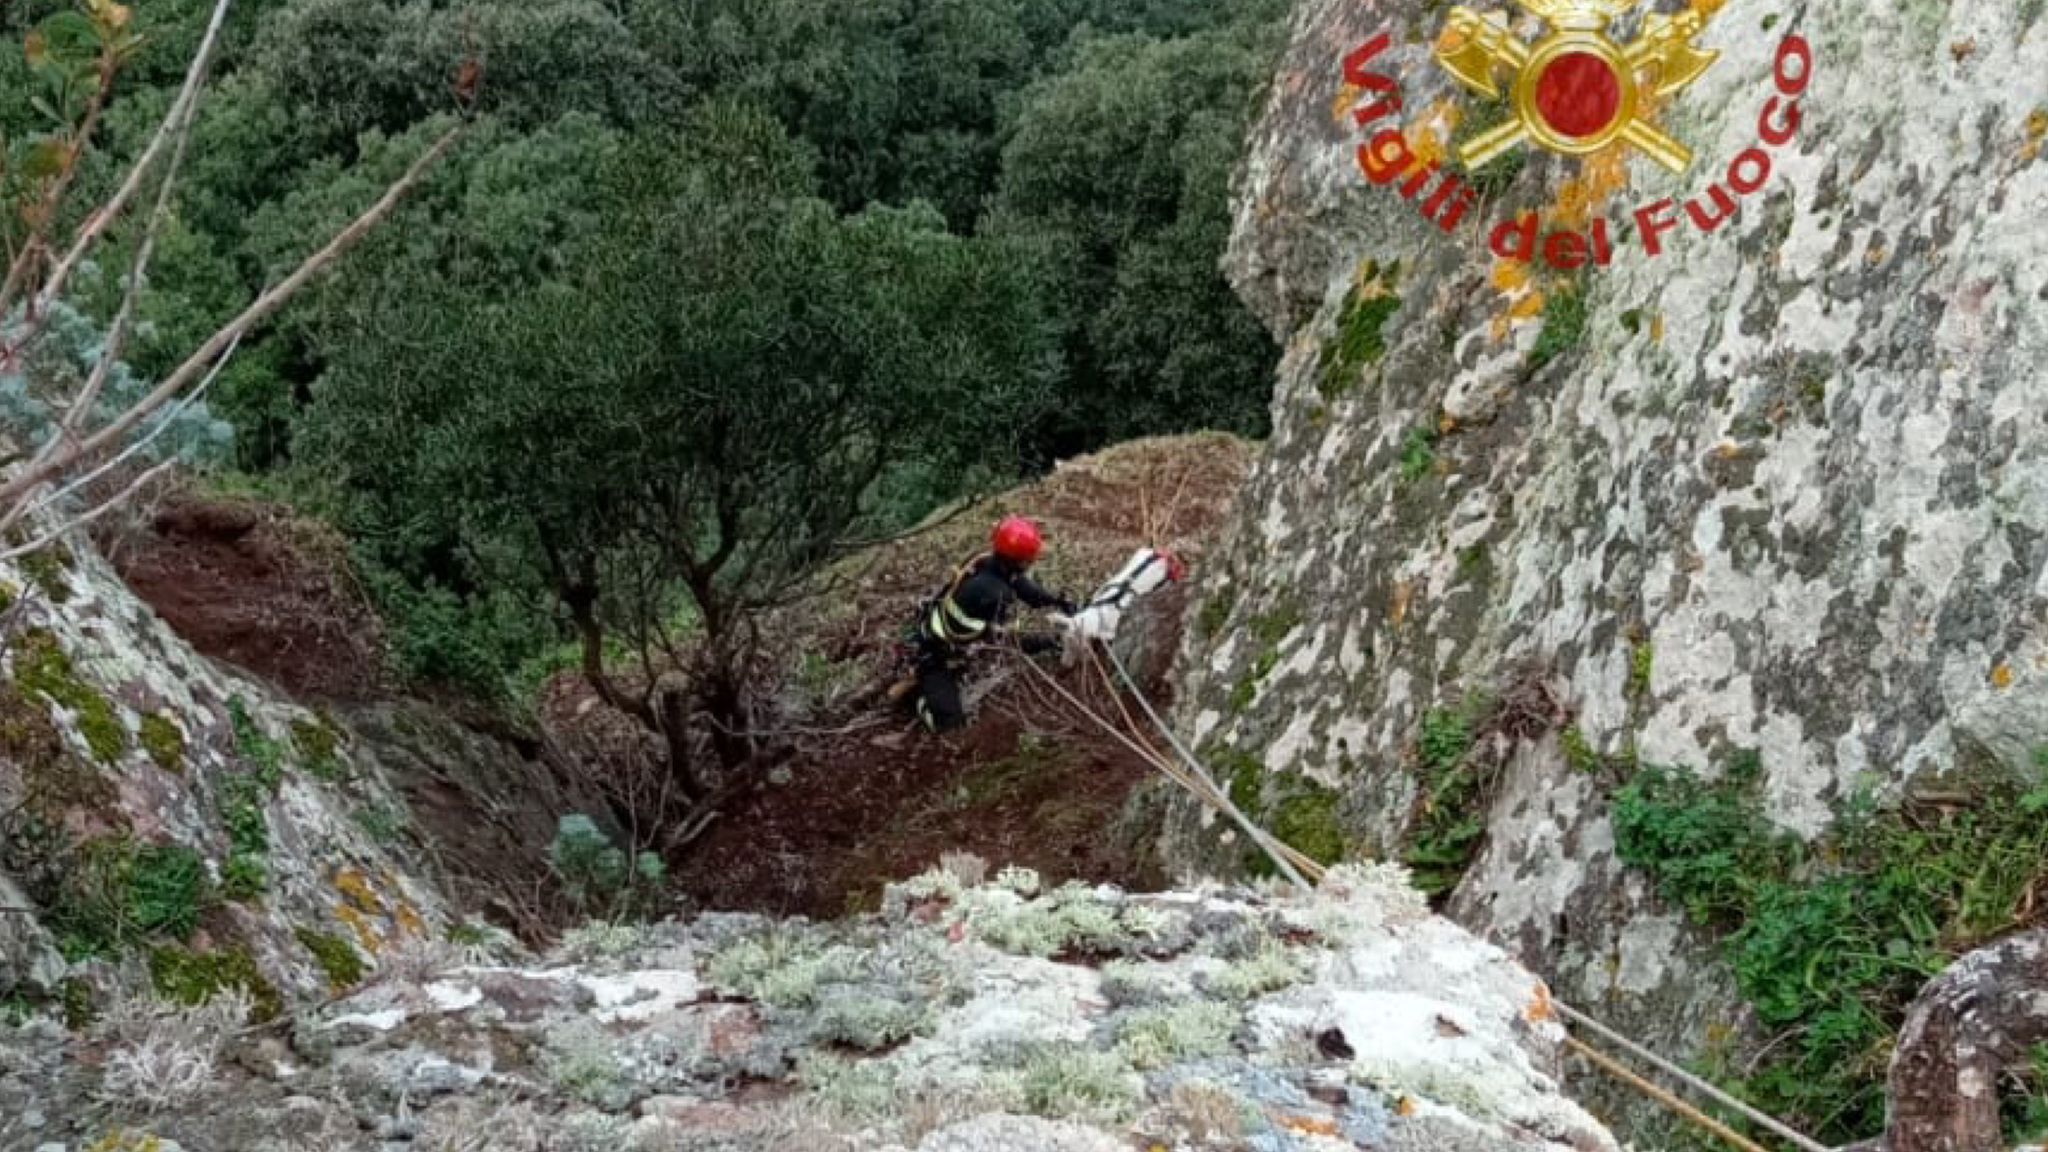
<point>975,608</point>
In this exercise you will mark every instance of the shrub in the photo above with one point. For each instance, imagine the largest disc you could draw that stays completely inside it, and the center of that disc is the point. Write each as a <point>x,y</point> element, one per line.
<point>599,877</point>
<point>1831,943</point>
<point>1705,845</point>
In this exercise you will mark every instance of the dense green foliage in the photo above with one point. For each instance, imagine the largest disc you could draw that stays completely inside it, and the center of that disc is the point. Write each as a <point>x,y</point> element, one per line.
<point>1453,789</point>
<point>915,246</point>
<point>1831,942</point>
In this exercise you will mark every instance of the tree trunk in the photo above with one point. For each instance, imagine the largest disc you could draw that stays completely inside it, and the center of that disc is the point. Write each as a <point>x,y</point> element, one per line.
<point>1971,1024</point>
<point>673,704</point>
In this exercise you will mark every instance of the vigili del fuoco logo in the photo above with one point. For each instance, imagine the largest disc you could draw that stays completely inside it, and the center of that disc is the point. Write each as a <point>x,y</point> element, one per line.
<point>1579,92</point>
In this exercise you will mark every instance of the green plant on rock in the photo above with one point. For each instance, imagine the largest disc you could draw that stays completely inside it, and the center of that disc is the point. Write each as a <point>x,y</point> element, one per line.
<point>1360,339</point>
<point>860,1091</point>
<point>337,958</point>
<point>1269,969</point>
<point>1169,1034</point>
<point>1453,789</point>
<point>868,1022</point>
<point>1831,943</point>
<point>2026,1102</point>
<point>1706,845</point>
<point>1495,177</point>
<point>193,978</point>
<point>116,893</point>
<point>782,968</point>
<point>1418,454</point>
<point>41,666</point>
<point>1064,1081</point>
<point>1579,753</point>
<point>1564,326</point>
<point>254,746</point>
<point>1641,663</point>
<point>600,878</point>
<point>164,742</point>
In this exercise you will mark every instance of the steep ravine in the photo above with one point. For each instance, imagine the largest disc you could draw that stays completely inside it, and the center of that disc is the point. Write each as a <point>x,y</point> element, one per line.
<point>1773,502</point>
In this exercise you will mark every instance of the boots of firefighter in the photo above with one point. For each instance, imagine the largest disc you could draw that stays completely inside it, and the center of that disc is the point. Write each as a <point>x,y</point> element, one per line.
<point>939,704</point>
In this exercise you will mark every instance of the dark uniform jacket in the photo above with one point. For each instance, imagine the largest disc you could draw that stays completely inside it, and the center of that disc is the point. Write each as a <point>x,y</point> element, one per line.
<point>979,602</point>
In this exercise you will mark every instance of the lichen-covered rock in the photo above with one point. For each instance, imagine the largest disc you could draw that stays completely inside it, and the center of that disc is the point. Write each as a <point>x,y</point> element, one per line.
<point>1781,490</point>
<point>966,1018</point>
<point>166,810</point>
<point>168,820</point>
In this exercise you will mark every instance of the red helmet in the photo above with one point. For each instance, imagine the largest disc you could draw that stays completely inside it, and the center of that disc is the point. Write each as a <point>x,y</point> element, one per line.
<point>1018,540</point>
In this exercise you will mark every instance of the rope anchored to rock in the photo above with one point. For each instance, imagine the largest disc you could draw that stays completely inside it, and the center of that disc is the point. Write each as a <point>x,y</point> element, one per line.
<point>1186,770</point>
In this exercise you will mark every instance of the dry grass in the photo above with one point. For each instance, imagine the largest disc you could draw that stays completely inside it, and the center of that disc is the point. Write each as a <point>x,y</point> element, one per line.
<point>161,1060</point>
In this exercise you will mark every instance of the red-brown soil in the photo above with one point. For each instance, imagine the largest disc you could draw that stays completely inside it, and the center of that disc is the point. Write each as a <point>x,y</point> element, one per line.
<point>1032,782</point>
<point>252,585</point>
<point>845,798</point>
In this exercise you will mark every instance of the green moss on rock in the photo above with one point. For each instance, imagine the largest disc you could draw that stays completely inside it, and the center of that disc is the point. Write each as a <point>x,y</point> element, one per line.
<point>1360,339</point>
<point>75,997</point>
<point>1307,822</point>
<point>1245,772</point>
<point>336,957</point>
<point>193,978</point>
<point>320,748</point>
<point>48,569</point>
<point>41,666</point>
<point>164,742</point>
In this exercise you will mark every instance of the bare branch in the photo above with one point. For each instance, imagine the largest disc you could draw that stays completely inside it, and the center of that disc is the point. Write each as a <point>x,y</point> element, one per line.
<point>138,273</point>
<point>25,508</point>
<point>188,95</point>
<point>265,306</point>
<point>76,522</point>
<point>43,217</point>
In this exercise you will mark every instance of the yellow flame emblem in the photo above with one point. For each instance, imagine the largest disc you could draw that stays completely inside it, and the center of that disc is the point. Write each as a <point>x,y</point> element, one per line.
<point>1578,89</point>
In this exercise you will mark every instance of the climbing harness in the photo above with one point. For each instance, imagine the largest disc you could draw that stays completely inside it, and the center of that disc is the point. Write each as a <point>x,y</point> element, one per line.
<point>1299,870</point>
<point>943,621</point>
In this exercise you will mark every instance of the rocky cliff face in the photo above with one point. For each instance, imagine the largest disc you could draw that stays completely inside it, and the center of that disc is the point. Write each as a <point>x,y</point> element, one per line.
<point>1775,496</point>
<point>974,1014</point>
<point>169,823</point>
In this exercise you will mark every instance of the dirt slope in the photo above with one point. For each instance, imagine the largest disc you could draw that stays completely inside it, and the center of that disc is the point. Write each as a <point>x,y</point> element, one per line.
<point>845,798</point>
<point>1031,782</point>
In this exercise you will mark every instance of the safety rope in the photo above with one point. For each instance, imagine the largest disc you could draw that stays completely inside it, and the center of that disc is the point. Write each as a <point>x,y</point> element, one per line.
<point>1299,868</point>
